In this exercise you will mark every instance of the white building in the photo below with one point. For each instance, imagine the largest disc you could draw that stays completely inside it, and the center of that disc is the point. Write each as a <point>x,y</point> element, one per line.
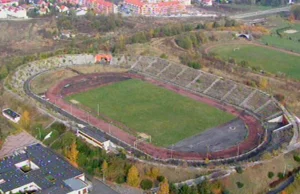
<point>11,115</point>
<point>3,13</point>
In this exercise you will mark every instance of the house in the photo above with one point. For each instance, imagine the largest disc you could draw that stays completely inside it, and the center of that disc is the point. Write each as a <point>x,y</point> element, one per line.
<point>15,12</point>
<point>63,9</point>
<point>11,115</point>
<point>37,169</point>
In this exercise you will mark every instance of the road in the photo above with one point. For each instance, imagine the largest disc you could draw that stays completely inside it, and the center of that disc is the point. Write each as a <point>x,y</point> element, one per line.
<point>260,13</point>
<point>100,188</point>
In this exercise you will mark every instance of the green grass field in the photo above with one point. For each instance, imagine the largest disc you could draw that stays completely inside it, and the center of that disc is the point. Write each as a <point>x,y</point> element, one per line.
<point>262,58</point>
<point>286,41</point>
<point>166,116</point>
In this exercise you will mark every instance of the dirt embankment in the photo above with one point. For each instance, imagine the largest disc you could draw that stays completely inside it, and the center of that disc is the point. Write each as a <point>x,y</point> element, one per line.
<point>26,36</point>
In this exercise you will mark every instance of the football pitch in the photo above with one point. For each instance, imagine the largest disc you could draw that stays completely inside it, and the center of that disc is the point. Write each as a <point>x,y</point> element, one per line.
<point>165,115</point>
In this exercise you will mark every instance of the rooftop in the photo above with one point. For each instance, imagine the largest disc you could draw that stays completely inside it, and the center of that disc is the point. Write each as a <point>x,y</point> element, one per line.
<point>94,133</point>
<point>11,113</point>
<point>49,165</point>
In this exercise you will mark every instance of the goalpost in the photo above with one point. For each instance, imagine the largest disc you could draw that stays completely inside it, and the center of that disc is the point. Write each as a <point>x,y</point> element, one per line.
<point>141,137</point>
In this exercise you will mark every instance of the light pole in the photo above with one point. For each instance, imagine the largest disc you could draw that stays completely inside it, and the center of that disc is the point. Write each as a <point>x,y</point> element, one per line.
<point>172,151</point>
<point>98,109</point>
<point>207,150</point>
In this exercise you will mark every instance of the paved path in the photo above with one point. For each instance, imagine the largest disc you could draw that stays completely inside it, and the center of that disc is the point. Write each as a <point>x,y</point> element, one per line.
<point>15,142</point>
<point>261,13</point>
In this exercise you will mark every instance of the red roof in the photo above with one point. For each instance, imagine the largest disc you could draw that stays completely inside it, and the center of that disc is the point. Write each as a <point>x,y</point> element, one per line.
<point>101,2</point>
<point>135,2</point>
<point>167,4</point>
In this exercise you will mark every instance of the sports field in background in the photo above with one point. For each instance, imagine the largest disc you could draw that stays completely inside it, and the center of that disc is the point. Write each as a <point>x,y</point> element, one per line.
<point>262,58</point>
<point>289,39</point>
<point>165,115</point>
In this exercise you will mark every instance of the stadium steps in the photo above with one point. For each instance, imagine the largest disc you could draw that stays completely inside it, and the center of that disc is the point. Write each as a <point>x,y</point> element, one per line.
<point>229,92</point>
<point>164,69</point>
<point>207,89</point>
<point>196,78</point>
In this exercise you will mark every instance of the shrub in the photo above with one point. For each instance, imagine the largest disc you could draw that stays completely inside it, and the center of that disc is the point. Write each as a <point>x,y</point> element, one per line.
<point>270,175</point>
<point>194,65</point>
<point>280,175</point>
<point>160,178</point>
<point>146,184</point>
<point>297,158</point>
<point>163,56</point>
<point>239,185</point>
<point>239,169</point>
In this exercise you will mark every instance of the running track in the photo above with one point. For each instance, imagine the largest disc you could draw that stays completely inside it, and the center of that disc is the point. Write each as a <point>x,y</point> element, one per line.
<point>55,96</point>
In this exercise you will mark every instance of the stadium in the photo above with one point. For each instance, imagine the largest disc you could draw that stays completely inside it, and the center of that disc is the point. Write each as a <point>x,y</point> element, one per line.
<point>162,110</point>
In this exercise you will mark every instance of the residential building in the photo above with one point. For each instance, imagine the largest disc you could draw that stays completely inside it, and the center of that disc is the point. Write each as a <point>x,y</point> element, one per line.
<point>154,7</point>
<point>37,169</point>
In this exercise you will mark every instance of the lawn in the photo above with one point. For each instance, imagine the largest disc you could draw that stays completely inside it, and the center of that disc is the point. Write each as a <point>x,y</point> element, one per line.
<point>262,58</point>
<point>166,116</point>
<point>287,41</point>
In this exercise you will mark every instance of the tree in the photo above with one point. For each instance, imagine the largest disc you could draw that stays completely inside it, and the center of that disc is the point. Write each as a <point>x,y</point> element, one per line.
<point>154,172</point>
<point>26,120</point>
<point>72,154</point>
<point>263,83</point>
<point>133,177</point>
<point>164,187</point>
<point>295,11</point>
<point>146,184</point>
<point>104,168</point>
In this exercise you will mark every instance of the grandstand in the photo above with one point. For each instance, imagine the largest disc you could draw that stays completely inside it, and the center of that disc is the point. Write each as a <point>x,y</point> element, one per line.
<point>254,101</point>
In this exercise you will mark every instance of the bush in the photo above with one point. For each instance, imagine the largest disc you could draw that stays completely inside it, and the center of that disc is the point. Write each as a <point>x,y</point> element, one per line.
<point>146,184</point>
<point>270,175</point>
<point>239,169</point>
<point>194,65</point>
<point>163,56</point>
<point>239,185</point>
<point>160,178</point>
<point>297,158</point>
<point>280,175</point>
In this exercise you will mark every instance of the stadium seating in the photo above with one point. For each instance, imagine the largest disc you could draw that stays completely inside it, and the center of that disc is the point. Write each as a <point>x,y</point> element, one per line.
<point>220,89</point>
<point>157,66</point>
<point>256,101</point>
<point>186,77</point>
<point>238,95</point>
<point>203,82</point>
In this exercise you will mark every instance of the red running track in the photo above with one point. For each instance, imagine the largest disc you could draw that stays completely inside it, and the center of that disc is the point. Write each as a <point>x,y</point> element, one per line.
<point>57,93</point>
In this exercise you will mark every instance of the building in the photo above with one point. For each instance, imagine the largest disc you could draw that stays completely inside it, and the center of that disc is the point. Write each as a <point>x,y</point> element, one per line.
<point>95,138</point>
<point>154,7</point>
<point>3,13</point>
<point>99,6</point>
<point>11,115</point>
<point>37,169</point>
<point>13,12</point>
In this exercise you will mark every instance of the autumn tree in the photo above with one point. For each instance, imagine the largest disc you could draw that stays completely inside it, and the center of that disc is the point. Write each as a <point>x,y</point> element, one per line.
<point>164,187</point>
<point>154,172</point>
<point>104,168</point>
<point>133,177</point>
<point>72,153</point>
<point>25,120</point>
<point>263,83</point>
